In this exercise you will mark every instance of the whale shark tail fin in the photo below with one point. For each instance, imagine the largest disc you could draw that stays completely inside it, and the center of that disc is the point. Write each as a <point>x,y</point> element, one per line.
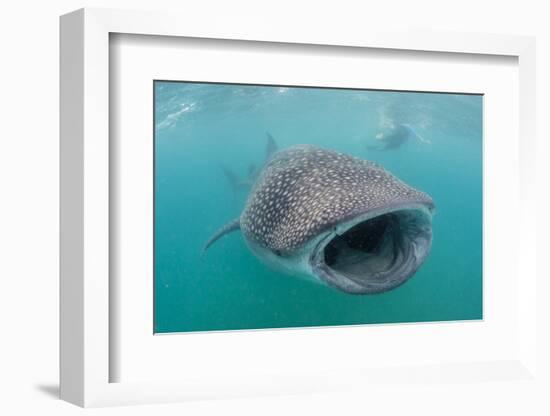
<point>232,178</point>
<point>252,171</point>
<point>270,147</point>
<point>226,229</point>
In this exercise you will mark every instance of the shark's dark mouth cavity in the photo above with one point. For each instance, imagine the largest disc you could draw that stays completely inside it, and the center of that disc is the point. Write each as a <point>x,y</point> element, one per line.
<point>377,254</point>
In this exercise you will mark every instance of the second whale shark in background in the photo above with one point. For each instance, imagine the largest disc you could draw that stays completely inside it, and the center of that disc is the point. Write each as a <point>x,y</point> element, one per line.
<point>336,219</point>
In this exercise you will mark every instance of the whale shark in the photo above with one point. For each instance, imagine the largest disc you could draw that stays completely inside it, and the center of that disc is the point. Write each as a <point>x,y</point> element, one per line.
<point>335,219</point>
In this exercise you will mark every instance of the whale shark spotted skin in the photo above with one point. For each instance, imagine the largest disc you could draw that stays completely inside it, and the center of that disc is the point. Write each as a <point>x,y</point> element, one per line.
<point>336,219</point>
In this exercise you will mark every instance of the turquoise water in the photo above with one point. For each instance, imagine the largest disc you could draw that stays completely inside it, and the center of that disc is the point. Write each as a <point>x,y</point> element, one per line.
<point>201,127</point>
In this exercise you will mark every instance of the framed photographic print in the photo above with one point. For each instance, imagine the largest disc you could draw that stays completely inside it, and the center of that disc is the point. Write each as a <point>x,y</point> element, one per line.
<point>266,213</point>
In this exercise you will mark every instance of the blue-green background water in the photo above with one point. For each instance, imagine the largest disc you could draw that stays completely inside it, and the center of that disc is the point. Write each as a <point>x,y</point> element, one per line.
<point>199,127</point>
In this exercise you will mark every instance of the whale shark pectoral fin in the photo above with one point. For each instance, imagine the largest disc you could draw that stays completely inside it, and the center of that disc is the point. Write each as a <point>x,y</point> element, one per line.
<point>226,229</point>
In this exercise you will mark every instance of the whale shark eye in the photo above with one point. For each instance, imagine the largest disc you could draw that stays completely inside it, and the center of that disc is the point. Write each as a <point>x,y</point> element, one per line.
<point>278,253</point>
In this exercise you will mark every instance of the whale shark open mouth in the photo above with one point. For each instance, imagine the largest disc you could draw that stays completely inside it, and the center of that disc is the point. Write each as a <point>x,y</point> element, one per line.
<point>373,254</point>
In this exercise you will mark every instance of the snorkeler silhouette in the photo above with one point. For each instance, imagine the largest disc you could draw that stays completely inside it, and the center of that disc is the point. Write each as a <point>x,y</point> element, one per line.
<point>395,136</point>
<point>244,184</point>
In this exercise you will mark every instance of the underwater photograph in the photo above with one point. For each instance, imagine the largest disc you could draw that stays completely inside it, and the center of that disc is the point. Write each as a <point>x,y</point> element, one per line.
<point>293,206</point>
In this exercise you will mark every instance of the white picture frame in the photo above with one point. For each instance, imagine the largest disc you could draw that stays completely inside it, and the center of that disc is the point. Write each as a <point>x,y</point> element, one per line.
<point>86,356</point>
